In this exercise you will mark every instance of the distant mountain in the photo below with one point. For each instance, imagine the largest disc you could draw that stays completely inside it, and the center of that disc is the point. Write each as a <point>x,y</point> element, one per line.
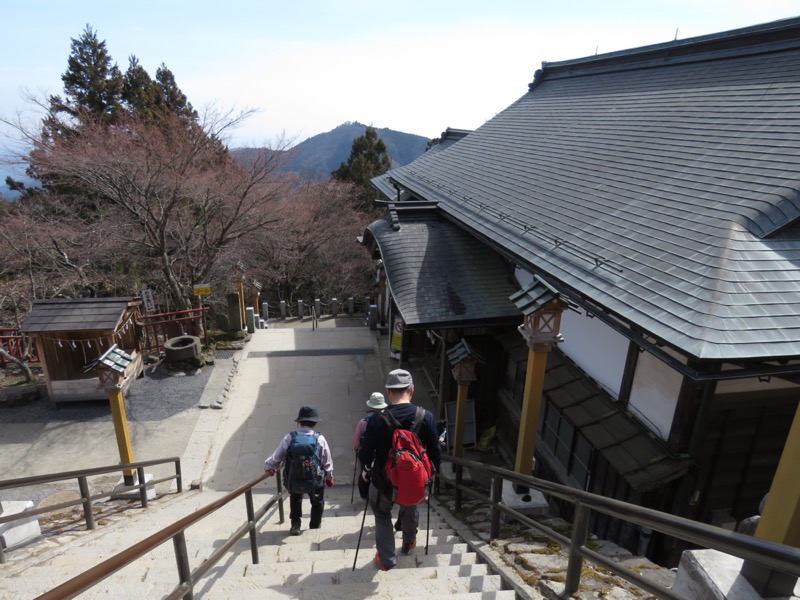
<point>317,156</point>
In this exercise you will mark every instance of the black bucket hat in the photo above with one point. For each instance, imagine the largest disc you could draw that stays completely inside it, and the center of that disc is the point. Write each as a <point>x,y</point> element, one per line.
<point>307,413</point>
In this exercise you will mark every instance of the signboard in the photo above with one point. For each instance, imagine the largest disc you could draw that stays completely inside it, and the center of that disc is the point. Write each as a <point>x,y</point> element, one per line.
<point>202,289</point>
<point>397,335</point>
<point>147,299</point>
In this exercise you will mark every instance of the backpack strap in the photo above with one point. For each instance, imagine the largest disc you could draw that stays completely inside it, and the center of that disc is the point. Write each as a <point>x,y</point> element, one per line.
<point>390,420</point>
<point>418,418</point>
<point>393,423</point>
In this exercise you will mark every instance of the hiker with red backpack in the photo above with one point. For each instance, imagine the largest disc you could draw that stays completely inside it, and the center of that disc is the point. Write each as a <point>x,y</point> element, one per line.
<point>308,468</point>
<point>401,444</point>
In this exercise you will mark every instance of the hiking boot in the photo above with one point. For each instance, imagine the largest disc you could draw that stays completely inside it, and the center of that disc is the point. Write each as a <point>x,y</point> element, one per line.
<point>295,530</point>
<point>408,546</point>
<point>378,562</point>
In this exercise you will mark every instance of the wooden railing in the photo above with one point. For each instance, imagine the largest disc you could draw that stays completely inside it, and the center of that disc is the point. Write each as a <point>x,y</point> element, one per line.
<point>188,578</point>
<point>776,557</point>
<point>158,328</point>
<point>87,498</point>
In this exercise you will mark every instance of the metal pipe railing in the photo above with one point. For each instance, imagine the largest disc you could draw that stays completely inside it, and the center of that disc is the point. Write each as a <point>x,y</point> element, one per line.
<point>774,556</point>
<point>176,532</point>
<point>87,498</point>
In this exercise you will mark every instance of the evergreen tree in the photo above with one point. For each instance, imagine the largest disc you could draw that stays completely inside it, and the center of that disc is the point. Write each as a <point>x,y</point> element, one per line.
<point>368,159</point>
<point>141,94</point>
<point>92,84</point>
<point>171,95</point>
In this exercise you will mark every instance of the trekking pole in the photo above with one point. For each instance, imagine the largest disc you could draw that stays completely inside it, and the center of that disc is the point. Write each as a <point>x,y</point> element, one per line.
<point>428,532</point>
<point>360,531</point>
<point>353,487</point>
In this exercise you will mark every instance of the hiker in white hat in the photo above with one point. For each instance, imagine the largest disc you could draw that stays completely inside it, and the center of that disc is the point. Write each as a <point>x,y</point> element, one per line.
<point>375,404</point>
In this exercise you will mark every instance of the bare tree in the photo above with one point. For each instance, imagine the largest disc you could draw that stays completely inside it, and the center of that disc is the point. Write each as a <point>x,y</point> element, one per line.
<point>311,251</point>
<point>175,196</point>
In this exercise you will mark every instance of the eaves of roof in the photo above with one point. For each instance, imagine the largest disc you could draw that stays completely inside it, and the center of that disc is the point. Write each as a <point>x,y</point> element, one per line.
<point>663,194</point>
<point>441,277</point>
<point>80,314</point>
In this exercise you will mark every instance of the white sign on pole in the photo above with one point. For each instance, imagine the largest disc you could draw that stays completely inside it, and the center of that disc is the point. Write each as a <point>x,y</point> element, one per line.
<point>147,298</point>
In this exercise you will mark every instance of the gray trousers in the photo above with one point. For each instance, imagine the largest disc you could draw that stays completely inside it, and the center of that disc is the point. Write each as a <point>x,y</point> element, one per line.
<point>384,529</point>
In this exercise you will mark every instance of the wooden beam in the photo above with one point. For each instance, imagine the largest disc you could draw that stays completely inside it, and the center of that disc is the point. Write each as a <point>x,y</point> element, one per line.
<point>121,430</point>
<point>461,419</point>
<point>531,405</point>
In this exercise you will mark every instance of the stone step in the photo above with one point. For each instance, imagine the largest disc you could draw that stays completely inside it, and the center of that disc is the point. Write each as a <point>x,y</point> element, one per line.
<point>316,563</point>
<point>383,585</point>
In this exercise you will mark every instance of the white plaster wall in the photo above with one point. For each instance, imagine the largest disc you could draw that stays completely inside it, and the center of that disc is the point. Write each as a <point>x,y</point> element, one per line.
<point>591,344</point>
<point>596,348</point>
<point>654,394</point>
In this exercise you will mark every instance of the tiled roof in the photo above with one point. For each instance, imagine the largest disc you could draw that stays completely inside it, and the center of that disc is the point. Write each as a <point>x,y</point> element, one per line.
<point>81,314</point>
<point>661,183</point>
<point>439,276</point>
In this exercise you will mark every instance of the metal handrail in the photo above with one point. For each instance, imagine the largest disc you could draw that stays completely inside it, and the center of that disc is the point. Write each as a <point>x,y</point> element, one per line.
<point>86,498</point>
<point>175,532</point>
<point>769,554</point>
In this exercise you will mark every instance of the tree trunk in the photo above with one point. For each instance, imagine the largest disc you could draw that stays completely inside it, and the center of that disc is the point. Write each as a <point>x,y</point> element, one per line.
<point>22,364</point>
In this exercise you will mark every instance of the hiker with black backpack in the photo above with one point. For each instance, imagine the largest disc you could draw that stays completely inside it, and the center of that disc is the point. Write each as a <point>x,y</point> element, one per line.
<point>402,446</point>
<point>308,468</point>
<point>375,404</point>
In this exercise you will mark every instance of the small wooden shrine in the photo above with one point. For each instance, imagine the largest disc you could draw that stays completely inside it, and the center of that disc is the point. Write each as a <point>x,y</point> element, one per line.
<point>70,334</point>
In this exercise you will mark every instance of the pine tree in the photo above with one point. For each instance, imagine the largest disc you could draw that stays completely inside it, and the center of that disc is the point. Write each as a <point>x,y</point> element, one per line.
<point>92,84</point>
<point>368,159</point>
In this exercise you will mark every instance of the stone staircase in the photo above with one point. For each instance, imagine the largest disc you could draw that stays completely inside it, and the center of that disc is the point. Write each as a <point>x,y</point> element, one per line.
<point>317,564</point>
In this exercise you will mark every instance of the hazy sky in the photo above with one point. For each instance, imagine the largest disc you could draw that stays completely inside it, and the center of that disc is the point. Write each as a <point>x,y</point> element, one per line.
<point>310,65</point>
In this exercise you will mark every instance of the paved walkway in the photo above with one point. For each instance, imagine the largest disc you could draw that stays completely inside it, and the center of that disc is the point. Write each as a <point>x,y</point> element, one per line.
<point>280,369</point>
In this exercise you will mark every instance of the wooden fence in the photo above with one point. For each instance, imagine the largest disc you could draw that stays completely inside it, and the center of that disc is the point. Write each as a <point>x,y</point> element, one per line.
<point>155,329</point>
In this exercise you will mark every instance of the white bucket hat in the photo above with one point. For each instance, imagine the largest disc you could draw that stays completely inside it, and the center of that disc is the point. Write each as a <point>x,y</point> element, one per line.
<point>376,402</point>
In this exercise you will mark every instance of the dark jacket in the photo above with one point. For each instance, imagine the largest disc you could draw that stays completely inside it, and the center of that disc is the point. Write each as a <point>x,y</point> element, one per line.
<point>377,440</point>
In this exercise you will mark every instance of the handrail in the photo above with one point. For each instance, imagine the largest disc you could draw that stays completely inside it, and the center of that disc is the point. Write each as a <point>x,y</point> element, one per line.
<point>772,555</point>
<point>86,498</point>
<point>188,578</point>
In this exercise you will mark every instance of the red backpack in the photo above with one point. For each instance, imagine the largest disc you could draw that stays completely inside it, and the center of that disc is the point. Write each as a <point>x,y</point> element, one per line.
<point>408,467</point>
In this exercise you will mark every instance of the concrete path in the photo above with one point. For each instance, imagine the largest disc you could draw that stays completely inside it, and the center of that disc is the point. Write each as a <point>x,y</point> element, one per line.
<point>334,369</point>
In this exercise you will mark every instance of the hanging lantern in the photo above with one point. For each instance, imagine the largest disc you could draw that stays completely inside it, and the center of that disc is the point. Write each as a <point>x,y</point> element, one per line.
<point>541,308</point>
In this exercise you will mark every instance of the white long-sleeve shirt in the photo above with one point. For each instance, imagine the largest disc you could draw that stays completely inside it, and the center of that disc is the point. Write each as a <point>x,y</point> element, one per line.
<point>275,461</point>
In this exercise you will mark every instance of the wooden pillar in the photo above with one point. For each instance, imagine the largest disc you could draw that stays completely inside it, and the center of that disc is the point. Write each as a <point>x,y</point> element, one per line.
<point>255,303</point>
<point>540,330</point>
<point>531,406</point>
<point>382,277</point>
<point>463,361</point>
<point>780,520</point>
<point>461,418</point>
<point>117,403</point>
<point>111,367</point>
<point>243,324</point>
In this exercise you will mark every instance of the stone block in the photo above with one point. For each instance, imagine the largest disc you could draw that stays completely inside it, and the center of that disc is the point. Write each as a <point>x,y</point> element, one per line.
<point>19,532</point>
<point>530,503</point>
<point>126,492</point>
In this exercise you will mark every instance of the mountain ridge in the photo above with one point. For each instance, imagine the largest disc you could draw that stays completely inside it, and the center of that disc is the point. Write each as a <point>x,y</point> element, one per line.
<point>317,156</point>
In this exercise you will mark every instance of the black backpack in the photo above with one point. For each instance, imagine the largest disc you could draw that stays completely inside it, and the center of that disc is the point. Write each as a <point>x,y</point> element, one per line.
<point>303,472</point>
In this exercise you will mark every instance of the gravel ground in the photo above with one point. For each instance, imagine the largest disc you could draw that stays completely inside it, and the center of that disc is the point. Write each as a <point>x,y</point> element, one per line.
<point>28,429</point>
<point>159,394</point>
